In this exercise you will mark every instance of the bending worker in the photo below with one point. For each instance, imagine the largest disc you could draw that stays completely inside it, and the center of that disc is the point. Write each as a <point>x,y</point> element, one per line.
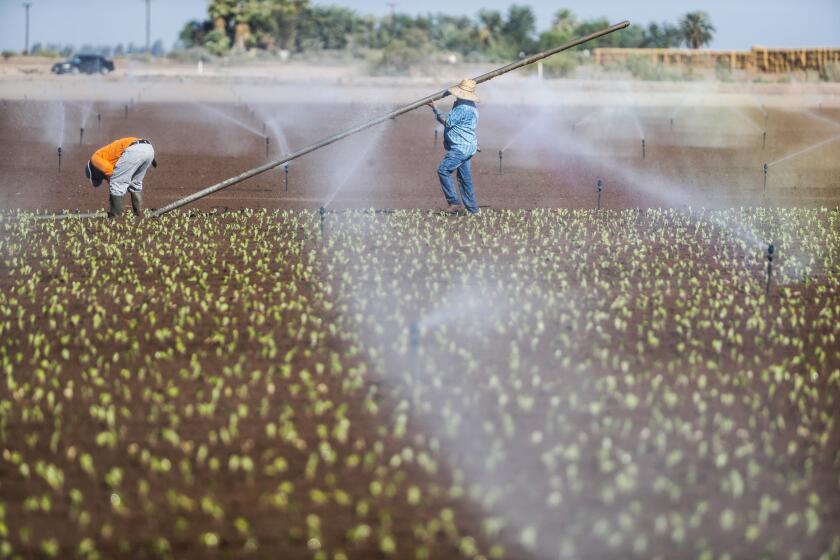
<point>123,163</point>
<point>461,144</point>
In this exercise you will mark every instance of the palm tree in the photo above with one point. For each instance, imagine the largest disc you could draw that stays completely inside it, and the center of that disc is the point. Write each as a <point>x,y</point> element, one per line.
<point>697,29</point>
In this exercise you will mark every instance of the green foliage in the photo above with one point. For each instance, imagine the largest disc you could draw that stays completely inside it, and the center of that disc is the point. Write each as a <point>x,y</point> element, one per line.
<point>562,65</point>
<point>722,71</point>
<point>662,36</point>
<point>217,42</point>
<point>7,54</point>
<point>697,29</point>
<point>402,55</point>
<point>297,26</point>
<point>830,72</point>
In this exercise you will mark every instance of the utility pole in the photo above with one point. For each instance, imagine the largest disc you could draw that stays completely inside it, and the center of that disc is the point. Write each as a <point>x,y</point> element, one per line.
<point>27,5</point>
<point>148,26</point>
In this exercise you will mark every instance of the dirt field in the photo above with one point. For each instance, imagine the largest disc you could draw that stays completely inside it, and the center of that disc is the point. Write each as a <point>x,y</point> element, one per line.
<point>246,378</point>
<point>703,150</point>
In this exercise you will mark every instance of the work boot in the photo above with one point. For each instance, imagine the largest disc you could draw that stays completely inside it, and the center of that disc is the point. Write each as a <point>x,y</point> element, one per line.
<point>137,203</point>
<point>116,206</point>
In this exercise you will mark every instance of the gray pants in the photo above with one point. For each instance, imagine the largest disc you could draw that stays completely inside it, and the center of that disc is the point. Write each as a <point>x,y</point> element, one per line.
<point>130,169</point>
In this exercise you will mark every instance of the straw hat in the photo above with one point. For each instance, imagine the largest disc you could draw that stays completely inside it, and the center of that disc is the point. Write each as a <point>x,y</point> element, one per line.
<point>465,90</point>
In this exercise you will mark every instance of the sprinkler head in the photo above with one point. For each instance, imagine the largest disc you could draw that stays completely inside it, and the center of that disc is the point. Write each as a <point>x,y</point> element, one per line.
<point>59,151</point>
<point>500,154</point>
<point>599,184</point>
<point>770,250</point>
<point>766,168</point>
<point>322,211</point>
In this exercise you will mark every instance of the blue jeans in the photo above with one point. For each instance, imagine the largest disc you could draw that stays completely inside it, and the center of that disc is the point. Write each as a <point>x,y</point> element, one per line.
<point>456,161</point>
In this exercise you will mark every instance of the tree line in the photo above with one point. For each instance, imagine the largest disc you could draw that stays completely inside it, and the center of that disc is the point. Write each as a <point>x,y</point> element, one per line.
<point>298,26</point>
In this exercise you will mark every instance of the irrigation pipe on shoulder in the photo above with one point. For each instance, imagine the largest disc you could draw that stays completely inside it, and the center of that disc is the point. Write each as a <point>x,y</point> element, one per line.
<point>393,114</point>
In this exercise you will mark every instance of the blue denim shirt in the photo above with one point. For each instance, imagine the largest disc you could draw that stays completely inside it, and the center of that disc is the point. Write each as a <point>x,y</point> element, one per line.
<point>459,127</point>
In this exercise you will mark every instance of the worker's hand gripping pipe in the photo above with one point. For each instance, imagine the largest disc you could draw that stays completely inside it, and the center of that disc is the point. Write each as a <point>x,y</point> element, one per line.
<point>393,114</point>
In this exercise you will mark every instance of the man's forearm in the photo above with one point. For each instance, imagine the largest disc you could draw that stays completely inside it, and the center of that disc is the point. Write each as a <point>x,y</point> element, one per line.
<point>439,116</point>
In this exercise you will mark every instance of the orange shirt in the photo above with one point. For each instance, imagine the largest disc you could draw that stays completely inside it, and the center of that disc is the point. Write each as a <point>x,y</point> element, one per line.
<point>106,158</point>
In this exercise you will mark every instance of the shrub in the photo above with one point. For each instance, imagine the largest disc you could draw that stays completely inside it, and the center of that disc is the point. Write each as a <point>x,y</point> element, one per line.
<point>830,72</point>
<point>562,64</point>
<point>643,68</point>
<point>7,54</point>
<point>217,43</point>
<point>722,71</point>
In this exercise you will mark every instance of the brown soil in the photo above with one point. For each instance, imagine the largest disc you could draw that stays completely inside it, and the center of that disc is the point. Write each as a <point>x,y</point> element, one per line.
<point>711,158</point>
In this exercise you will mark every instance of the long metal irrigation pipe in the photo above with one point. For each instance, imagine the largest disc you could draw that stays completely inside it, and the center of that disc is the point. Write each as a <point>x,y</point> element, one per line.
<point>410,107</point>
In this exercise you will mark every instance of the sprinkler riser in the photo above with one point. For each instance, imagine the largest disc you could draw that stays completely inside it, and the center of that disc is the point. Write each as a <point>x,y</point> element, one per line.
<point>644,154</point>
<point>766,169</point>
<point>770,251</point>
<point>81,136</point>
<point>286,171</point>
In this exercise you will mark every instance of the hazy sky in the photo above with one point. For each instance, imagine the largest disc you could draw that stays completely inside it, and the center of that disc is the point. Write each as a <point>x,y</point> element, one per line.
<point>740,23</point>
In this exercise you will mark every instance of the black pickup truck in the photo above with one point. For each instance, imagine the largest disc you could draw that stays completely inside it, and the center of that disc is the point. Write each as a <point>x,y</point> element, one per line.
<point>84,64</point>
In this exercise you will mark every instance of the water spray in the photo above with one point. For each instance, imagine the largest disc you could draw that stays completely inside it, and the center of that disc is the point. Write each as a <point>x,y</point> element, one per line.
<point>414,346</point>
<point>599,186</point>
<point>501,154</point>
<point>766,169</point>
<point>81,135</point>
<point>643,149</point>
<point>770,251</point>
<point>286,171</point>
<point>383,118</point>
<point>59,158</point>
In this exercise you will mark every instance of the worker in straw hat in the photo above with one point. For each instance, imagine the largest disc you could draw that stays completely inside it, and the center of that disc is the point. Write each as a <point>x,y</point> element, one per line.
<point>123,163</point>
<point>461,144</point>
